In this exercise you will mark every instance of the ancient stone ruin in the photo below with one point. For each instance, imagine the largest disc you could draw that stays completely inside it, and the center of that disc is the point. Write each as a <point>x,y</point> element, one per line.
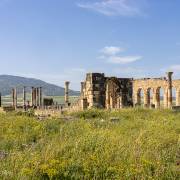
<point>108,93</point>
<point>115,93</point>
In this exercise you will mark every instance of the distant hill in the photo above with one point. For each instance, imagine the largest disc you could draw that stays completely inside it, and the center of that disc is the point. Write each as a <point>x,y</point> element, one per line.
<point>7,82</point>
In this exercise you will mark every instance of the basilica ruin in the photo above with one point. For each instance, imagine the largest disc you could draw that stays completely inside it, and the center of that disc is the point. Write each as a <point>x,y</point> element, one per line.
<point>99,91</point>
<point>115,93</point>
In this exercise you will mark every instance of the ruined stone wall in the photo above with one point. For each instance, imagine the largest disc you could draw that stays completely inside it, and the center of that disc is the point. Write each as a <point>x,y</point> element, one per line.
<point>118,92</point>
<point>93,91</point>
<point>126,86</point>
<point>115,93</point>
<point>155,85</point>
<point>105,92</point>
<point>145,86</point>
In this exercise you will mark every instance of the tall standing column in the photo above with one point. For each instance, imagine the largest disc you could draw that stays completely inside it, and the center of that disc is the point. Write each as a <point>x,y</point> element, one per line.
<point>13,102</point>
<point>166,98</point>
<point>169,75</point>
<point>37,96</point>
<point>67,92</point>
<point>0,100</point>
<point>149,98</point>
<point>107,97</point>
<point>32,96</point>
<point>24,96</point>
<point>40,96</point>
<point>135,98</point>
<point>139,97</point>
<point>15,98</point>
<point>156,98</point>
<point>145,98</point>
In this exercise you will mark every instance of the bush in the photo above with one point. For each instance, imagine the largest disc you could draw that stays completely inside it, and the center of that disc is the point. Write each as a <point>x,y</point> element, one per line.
<point>90,114</point>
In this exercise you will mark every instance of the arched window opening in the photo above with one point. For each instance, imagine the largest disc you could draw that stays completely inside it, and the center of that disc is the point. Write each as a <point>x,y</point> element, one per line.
<point>150,97</point>
<point>140,97</point>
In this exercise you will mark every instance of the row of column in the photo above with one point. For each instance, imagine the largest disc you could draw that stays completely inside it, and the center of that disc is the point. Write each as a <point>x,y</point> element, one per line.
<point>155,99</point>
<point>168,97</point>
<point>36,97</point>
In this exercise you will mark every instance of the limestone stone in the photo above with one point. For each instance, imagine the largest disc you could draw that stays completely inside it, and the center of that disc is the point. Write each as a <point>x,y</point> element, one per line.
<point>113,92</point>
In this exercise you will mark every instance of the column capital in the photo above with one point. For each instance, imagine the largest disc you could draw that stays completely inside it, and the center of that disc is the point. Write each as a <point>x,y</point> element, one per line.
<point>169,75</point>
<point>67,83</point>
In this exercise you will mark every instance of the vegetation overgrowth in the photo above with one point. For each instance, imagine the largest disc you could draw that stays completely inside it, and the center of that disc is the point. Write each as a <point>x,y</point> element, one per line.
<point>94,144</point>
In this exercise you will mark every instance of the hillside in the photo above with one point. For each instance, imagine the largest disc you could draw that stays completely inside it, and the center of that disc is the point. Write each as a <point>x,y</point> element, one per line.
<point>7,82</point>
<point>96,144</point>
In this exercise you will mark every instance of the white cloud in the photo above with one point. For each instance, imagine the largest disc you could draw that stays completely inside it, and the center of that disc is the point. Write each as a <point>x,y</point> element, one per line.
<point>115,7</point>
<point>112,50</point>
<point>112,55</point>
<point>123,59</point>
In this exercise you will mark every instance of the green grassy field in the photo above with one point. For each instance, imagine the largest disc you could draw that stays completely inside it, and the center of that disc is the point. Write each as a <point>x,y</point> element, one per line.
<point>96,144</point>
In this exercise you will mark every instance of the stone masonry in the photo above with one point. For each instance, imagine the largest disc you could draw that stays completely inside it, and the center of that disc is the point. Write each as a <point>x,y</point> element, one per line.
<point>116,93</point>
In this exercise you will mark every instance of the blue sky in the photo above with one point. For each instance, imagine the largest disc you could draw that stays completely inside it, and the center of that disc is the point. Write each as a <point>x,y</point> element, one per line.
<point>58,40</point>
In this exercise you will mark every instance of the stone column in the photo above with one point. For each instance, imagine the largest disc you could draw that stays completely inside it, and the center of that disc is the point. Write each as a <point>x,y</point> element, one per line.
<point>15,98</point>
<point>37,96</point>
<point>0,100</point>
<point>24,96</point>
<point>13,102</point>
<point>139,98</point>
<point>149,98</point>
<point>107,97</point>
<point>145,98</point>
<point>178,97</point>
<point>135,97</point>
<point>40,96</point>
<point>169,75</point>
<point>67,92</point>
<point>156,98</point>
<point>166,98</point>
<point>32,96</point>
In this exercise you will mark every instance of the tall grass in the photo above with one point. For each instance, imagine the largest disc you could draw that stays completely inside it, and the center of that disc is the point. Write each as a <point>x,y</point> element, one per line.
<point>140,144</point>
